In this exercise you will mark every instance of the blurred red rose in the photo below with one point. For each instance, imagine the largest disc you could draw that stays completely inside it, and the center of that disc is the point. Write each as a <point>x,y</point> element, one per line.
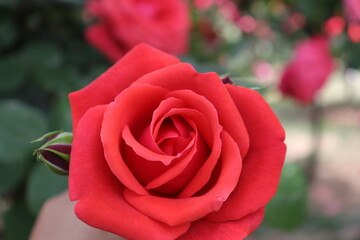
<point>163,152</point>
<point>121,25</point>
<point>294,22</point>
<point>353,32</point>
<point>352,9</point>
<point>308,71</point>
<point>334,26</point>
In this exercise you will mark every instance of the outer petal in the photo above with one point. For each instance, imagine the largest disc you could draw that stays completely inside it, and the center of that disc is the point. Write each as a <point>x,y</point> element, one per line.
<point>238,229</point>
<point>183,210</point>
<point>209,85</point>
<point>263,163</point>
<point>101,203</point>
<point>141,60</point>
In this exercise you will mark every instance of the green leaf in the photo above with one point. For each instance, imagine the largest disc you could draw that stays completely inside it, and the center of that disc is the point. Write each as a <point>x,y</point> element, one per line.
<point>288,209</point>
<point>7,32</point>
<point>41,55</point>
<point>9,3</point>
<point>12,74</point>
<point>18,223</point>
<point>55,79</point>
<point>11,175</point>
<point>42,185</point>
<point>20,124</point>
<point>60,116</point>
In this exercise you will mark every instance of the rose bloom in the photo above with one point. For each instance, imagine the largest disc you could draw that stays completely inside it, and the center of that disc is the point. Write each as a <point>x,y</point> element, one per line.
<point>309,69</point>
<point>120,25</point>
<point>163,152</point>
<point>352,9</point>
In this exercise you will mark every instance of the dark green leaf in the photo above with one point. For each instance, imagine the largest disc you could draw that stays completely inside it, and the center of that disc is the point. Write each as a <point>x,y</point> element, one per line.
<point>55,79</point>
<point>12,74</point>
<point>20,124</point>
<point>18,223</point>
<point>7,32</point>
<point>61,114</point>
<point>288,209</point>
<point>41,55</point>
<point>10,175</point>
<point>43,184</point>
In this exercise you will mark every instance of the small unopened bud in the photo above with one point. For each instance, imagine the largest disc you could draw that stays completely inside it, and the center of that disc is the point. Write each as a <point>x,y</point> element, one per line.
<point>227,80</point>
<point>55,153</point>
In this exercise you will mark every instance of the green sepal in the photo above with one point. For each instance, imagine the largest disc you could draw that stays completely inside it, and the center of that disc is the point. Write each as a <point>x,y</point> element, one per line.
<point>46,136</point>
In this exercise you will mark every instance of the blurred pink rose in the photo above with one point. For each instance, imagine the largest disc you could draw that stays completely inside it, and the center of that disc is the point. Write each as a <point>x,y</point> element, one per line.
<point>203,4</point>
<point>247,23</point>
<point>121,25</point>
<point>352,9</point>
<point>263,70</point>
<point>308,71</point>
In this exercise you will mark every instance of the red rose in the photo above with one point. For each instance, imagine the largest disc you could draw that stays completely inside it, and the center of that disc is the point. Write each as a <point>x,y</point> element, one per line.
<point>121,25</point>
<point>309,69</point>
<point>163,152</point>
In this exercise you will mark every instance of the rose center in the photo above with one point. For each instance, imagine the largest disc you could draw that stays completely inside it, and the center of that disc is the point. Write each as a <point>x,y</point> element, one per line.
<point>173,135</point>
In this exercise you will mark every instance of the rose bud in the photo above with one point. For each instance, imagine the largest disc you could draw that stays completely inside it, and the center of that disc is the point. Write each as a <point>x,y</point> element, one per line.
<point>227,80</point>
<point>55,153</point>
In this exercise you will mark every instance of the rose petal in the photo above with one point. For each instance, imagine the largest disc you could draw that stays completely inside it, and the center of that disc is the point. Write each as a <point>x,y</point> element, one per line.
<point>183,76</point>
<point>180,170</point>
<point>181,126</point>
<point>193,103</point>
<point>182,210</point>
<point>141,60</point>
<point>149,135</point>
<point>119,114</point>
<point>263,163</point>
<point>174,179</point>
<point>197,113</point>
<point>101,203</point>
<point>167,131</point>
<point>238,229</point>
<point>142,151</point>
<point>201,104</point>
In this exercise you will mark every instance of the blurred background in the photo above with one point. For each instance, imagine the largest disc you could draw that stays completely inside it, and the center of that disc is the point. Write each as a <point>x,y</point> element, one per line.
<point>303,56</point>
